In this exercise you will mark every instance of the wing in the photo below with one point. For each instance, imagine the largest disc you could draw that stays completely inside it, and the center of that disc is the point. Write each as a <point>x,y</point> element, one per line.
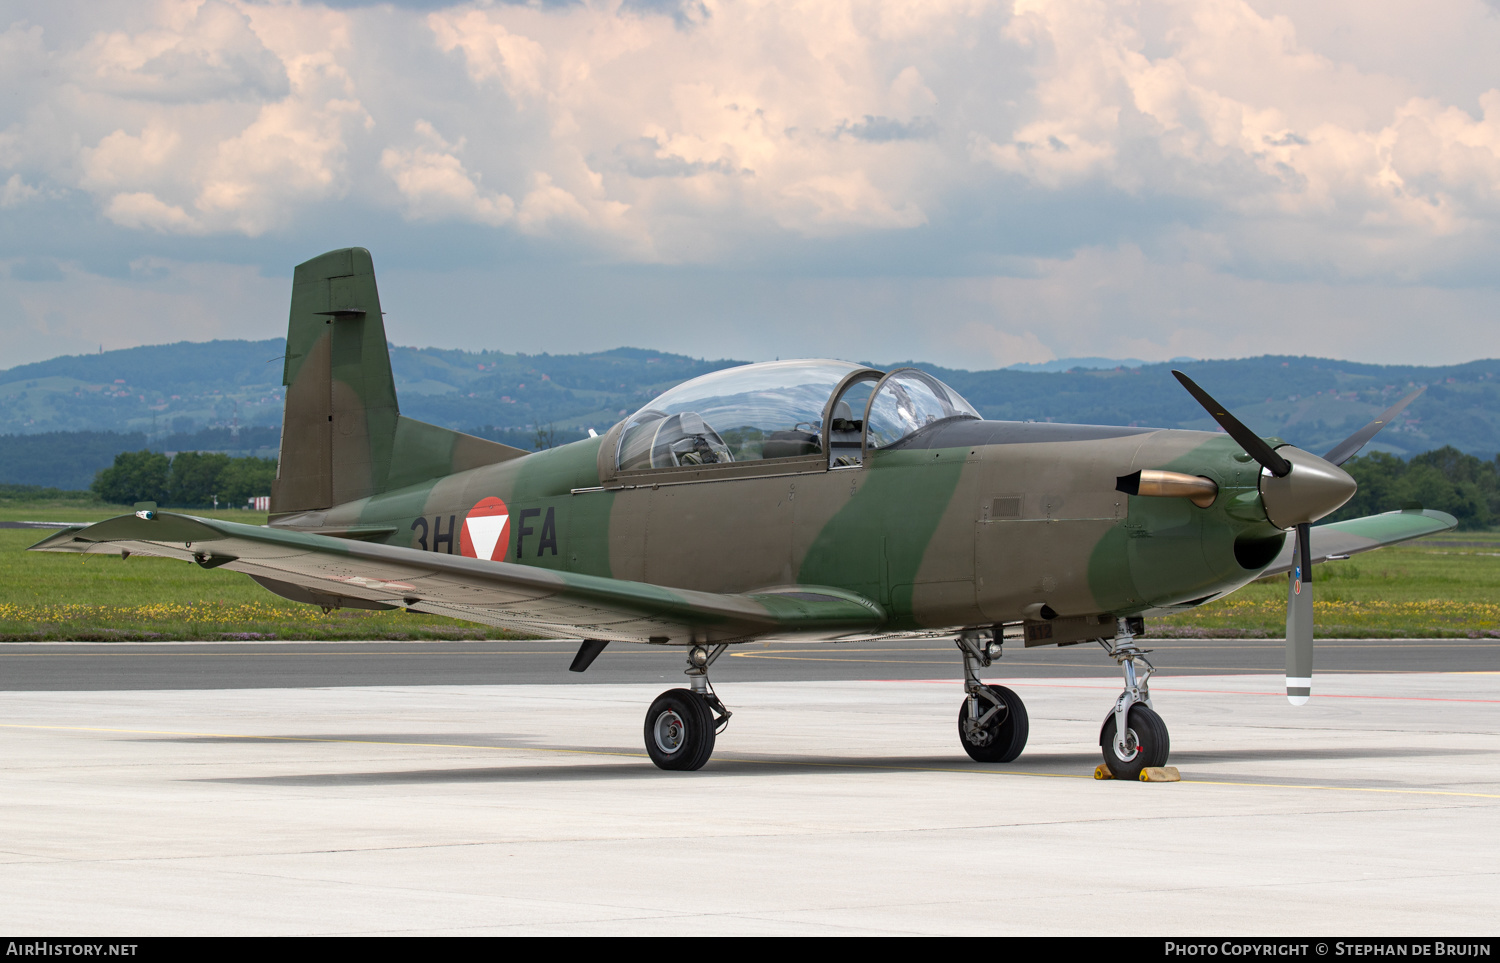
<point>352,573</point>
<point>1363,534</point>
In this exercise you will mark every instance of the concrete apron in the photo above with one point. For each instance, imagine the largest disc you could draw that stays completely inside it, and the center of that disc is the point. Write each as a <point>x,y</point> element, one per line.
<point>843,807</point>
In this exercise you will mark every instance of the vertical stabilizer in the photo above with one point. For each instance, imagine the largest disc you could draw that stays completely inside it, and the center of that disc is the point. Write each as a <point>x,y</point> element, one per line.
<point>342,430</point>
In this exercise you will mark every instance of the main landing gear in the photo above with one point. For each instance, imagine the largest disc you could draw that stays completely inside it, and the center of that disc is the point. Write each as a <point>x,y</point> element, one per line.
<point>1133,736</point>
<point>682,723</point>
<point>992,722</point>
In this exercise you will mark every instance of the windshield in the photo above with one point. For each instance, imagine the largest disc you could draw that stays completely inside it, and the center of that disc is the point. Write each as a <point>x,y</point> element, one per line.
<point>907,401</point>
<point>749,413</point>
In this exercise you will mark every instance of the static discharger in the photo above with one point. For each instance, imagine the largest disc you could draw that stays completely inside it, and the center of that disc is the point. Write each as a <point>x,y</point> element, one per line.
<point>1149,774</point>
<point>1169,484</point>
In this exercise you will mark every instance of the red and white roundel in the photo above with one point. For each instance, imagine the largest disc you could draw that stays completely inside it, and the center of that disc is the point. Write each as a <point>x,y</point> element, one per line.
<point>486,531</point>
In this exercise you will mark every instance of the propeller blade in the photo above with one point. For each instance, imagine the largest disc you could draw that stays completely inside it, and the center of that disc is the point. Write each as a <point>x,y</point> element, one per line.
<point>1253,444</point>
<point>1350,446</point>
<point>1299,619</point>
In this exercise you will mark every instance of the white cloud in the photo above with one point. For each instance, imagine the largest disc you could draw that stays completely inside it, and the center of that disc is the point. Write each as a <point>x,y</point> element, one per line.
<point>16,192</point>
<point>681,138</point>
<point>121,159</point>
<point>435,185</point>
<point>1231,109</point>
<point>214,116</point>
<point>294,152</point>
<point>1021,176</point>
<point>491,51</point>
<point>196,51</point>
<point>143,210</point>
<point>737,113</point>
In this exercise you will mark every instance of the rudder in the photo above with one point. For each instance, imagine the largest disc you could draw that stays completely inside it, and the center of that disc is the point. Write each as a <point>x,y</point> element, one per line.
<point>342,430</point>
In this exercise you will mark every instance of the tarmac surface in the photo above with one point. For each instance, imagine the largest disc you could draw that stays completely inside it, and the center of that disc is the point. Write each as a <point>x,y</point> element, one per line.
<point>295,789</point>
<point>256,665</point>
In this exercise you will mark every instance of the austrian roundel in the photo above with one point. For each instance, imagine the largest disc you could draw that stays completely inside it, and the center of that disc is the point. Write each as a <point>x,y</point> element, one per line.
<point>486,531</point>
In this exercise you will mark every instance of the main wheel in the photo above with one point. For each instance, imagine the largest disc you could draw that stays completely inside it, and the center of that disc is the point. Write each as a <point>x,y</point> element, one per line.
<point>1146,743</point>
<point>679,730</point>
<point>1004,737</point>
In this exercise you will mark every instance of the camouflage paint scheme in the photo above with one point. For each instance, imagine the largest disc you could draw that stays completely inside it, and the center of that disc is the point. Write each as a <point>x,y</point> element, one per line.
<point>963,524</point>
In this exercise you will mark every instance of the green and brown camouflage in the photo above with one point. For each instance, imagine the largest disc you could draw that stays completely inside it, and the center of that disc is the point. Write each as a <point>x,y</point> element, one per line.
<point>343,436</point>
<point>962,524</point>
<point>777,515</point>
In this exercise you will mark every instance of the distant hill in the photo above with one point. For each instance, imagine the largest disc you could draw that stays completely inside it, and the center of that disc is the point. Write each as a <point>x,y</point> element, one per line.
<point>1311,402</point>
<point>1068,364</point>
<point>226,396</point>
<point>184,387</point>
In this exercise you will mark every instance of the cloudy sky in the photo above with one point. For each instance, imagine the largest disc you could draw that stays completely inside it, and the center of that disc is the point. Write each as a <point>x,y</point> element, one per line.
<point>968,182</point>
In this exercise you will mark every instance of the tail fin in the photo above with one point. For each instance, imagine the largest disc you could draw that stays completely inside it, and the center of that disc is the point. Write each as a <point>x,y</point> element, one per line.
<point>343,436</point>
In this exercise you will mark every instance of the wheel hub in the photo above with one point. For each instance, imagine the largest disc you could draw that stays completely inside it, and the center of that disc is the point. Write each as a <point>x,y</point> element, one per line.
<point>1129,747</point>
<point>669,731</point>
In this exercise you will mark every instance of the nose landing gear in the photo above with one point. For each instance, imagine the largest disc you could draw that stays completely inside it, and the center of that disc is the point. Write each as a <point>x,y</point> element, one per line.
<point>681,724</point>
<point>1133,736</point>
<point>992,722</point>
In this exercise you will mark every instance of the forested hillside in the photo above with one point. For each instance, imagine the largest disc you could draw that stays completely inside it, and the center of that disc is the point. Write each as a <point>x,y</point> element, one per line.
<point>62,420</point>
<point>1311,402</point>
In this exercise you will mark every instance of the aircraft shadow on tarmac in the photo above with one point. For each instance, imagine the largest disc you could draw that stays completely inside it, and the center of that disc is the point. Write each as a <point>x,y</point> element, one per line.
<point>627,764</point>
<point>1271,755</point>
<point>411,740</point>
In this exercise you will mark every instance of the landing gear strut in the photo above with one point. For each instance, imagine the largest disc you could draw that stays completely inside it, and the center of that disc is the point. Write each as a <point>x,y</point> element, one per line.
<point>992,722</point>
<point>1133,736</point>
<point>682,723</point>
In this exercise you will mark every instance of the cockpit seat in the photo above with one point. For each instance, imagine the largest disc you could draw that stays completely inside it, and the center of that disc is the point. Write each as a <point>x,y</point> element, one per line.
<point>686,439</point>
<point>844,437</point>
<point>790,443</point>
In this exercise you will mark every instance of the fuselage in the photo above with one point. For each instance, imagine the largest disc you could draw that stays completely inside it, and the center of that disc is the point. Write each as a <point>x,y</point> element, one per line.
<point>965,522</point>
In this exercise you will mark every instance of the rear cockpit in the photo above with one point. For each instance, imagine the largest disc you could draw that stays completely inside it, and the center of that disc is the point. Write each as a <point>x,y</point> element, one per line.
<point>779,410</point>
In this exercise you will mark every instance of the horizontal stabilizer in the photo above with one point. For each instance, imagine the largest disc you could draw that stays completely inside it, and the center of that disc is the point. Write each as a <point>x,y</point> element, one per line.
<point>521,597</point>
<point>1364,534</point>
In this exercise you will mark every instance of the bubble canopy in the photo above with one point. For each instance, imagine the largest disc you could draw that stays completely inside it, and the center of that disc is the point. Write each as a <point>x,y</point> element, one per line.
<point>773,410</point>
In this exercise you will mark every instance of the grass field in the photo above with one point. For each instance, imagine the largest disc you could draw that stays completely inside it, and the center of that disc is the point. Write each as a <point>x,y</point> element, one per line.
<point>46,596</point>
<point>1445,586</point>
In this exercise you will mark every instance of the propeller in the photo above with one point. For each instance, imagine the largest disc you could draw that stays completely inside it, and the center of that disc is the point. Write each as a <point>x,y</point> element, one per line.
<point>1350,446</point>
<point>1297,489</point>
<point>1255,446</point>
<point>1299,618</point>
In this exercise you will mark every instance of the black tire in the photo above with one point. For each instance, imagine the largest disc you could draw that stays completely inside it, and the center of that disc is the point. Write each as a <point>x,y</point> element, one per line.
<point>679,731</point>
<point>1004,738</point>
<point>1152,744</point>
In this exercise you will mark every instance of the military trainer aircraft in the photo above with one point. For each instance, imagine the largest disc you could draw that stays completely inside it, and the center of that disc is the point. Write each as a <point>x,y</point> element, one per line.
<point>811,500</point>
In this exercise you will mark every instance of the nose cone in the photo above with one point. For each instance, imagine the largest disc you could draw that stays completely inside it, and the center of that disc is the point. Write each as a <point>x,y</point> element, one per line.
<point>1312,489</point>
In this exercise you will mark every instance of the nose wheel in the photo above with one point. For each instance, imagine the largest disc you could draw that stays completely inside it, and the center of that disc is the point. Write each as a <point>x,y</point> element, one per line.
<point>682,724</point>
<point>1133,736</point>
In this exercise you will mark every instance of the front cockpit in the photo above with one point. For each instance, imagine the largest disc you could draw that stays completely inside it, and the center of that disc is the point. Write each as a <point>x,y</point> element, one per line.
<point>785,409</point>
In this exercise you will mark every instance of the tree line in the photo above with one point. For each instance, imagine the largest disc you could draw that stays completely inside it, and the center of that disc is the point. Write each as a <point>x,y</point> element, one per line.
<point>190,479</point>
<point>1445,479</point>
<point>71,459</point>
<point>1464,486</point>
